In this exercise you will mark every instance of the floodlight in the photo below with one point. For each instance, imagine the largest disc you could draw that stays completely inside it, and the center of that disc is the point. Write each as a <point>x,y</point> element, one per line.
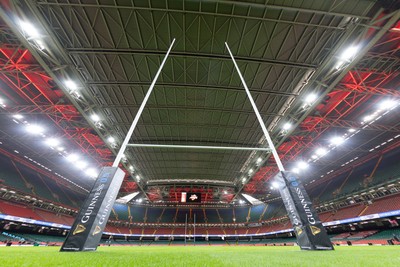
<point>321,151</point>
<point>302,165</point>
<point>18,116</point>
<point>287,126</point>
<point>349,53</point>
<point>95,117</point>
<point>53,142</point>
<point>71,85</point>
<point>72,157</point>
<point>368,118</point>
<point>40,44</point>
<point>29,29</point>
<point>111,139</point>
<point>81,164</point>
<point>34,129</point>
<point>337,140</point>
<point>310,98</point>
<point>387,104</point>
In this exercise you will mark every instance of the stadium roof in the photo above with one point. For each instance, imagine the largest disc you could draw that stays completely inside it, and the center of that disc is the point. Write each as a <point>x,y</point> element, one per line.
<point>81,70</point>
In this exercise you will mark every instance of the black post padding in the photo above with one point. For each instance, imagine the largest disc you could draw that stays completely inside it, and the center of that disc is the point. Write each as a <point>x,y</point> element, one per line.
<point>89,225</point>
<point>310,232</point>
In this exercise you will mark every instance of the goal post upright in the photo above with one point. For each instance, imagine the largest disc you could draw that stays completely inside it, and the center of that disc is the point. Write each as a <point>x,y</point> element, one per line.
<point>88,227</point>
<point>308,228</point>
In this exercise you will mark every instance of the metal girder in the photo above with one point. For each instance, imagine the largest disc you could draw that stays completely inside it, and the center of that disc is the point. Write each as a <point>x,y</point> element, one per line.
<point>66,111</point>
<point>188,85</point>
<point>116,51</point>
<point>190,108</point>
<point>331,17</point>
<point>218,183</point>
<point>35,87</point>
<point>200,147</point>
<point>325,122</point>
<point>355,99</point>
<point>295,9</point>
<point>369,90</point>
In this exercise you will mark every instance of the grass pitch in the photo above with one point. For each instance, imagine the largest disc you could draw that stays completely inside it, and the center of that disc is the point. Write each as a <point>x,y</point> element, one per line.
<point>201,256</point>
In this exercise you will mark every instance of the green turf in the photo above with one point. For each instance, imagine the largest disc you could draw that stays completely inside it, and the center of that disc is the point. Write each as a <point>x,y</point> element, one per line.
<point>201,256</point>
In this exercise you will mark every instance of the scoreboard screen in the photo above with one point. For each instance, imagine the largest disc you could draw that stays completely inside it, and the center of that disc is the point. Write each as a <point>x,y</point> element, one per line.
<point>189,197</point>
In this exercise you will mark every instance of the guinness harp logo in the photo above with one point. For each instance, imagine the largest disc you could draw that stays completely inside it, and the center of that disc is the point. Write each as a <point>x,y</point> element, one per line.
<point>315,230</point>
<point>298,230</point>
<point>97,230</point>
<point>79,229</point>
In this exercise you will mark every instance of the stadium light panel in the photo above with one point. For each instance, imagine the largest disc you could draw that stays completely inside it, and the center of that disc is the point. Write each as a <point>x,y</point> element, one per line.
<point>387,104</point>
<point>351,130</point>
<point>71,85</point>
<point>337,140</point>
<point>72,157</point>
<point>287,126</point>
<point>81,164</point>
<point>18,116</point>
<point>310,98</point>
<point>349,53</point>
<point>34,129</point>
<point>302,165</point>
<point>259,160</point>
<point>40,44</point>
<point>53,142</point>
<point>111,139</point>
<point>368,118</point>
<point>29,29</point>
<point>251,171</point>
<point>131,168</point>
<point>137,177</point>
<point>321,151</point>
<point>95,118</point>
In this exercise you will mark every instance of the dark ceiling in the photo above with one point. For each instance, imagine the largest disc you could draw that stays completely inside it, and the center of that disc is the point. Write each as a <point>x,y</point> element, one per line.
<point>285,50</point>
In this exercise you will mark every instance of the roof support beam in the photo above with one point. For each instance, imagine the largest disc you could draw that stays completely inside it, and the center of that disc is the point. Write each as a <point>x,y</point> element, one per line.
<point>201,147</point>
<point>186,85</point>
<point>104,6</point>
<point>119,51</point>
